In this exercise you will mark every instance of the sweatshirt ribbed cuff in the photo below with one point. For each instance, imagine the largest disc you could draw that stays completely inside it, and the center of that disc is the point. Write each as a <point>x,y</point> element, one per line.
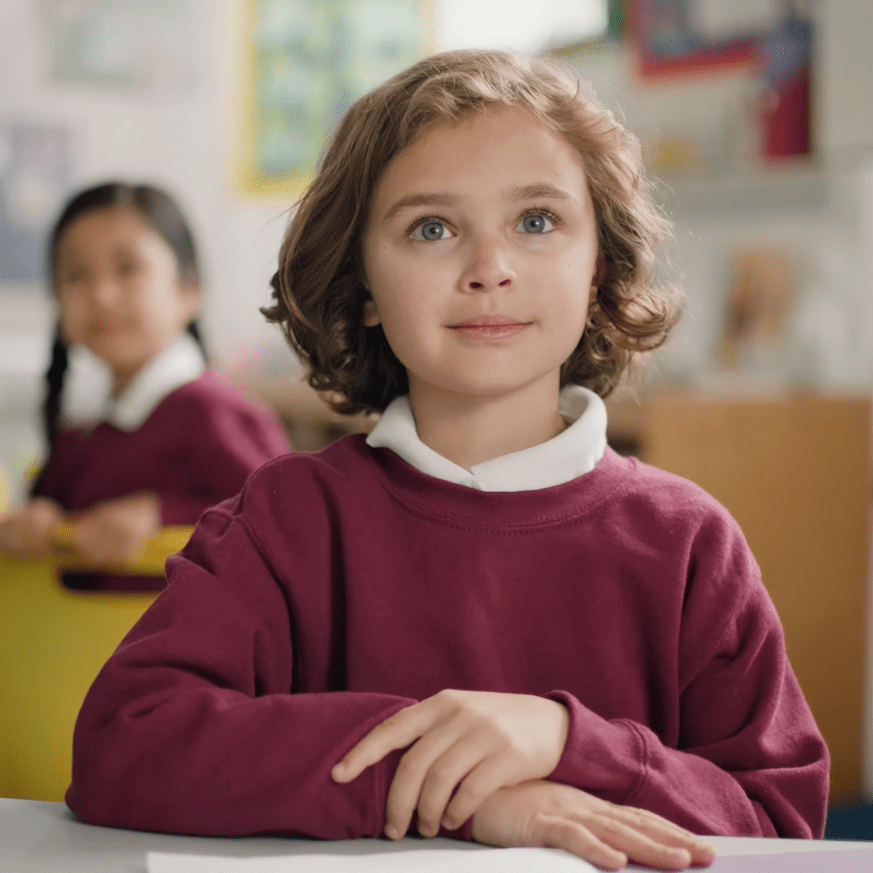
<point>604,758</point>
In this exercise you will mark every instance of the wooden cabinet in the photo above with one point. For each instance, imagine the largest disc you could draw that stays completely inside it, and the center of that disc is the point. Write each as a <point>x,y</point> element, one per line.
<point>795,472</point>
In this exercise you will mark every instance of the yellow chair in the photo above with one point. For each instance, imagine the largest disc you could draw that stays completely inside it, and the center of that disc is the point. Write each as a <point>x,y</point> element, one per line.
<point>53,642</point>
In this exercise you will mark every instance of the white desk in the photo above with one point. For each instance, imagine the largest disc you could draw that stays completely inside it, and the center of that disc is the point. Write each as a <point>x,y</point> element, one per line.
<point>40,837</point>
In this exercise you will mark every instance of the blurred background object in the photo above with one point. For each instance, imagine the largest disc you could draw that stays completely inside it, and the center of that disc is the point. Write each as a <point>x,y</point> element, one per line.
<point>755,117</point>
<point>53,642</point>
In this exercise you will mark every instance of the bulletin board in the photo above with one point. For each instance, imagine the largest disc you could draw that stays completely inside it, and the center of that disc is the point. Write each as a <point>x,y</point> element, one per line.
<point>307,63</point>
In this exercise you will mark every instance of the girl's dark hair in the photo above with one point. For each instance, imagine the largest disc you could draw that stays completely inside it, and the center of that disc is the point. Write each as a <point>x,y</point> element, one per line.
<point>165,217</point>
<point>318,288</point>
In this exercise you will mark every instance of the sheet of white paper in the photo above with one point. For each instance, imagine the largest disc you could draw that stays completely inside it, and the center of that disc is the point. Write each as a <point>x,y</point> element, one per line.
<point>421,861</point>
<point>844,860</point>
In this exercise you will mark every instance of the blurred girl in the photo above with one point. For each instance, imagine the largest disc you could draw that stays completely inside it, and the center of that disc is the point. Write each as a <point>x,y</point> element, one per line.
<point>166,437</point>
<point>478,621</point>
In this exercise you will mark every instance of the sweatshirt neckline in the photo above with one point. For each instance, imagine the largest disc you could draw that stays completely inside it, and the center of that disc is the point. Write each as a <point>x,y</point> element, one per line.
<point>503,511</point>
<point>570,454</point>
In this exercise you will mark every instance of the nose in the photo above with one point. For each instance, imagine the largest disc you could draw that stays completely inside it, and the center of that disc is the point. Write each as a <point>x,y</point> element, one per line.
<point>488,266</point>
<point>102,291</point>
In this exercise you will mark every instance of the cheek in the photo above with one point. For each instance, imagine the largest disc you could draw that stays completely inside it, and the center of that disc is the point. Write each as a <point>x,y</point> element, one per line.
<point>71,315</point>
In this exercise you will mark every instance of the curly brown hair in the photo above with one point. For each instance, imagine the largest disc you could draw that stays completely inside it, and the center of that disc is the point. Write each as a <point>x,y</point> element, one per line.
<point>318,288</point>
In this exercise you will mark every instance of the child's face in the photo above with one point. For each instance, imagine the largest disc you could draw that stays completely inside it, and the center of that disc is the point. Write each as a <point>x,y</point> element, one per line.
<point>118,289</point>
<point>479,253</point>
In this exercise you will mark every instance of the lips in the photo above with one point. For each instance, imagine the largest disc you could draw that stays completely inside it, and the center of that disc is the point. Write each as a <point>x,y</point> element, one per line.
<point>490,327</point>
<point>101,328</point>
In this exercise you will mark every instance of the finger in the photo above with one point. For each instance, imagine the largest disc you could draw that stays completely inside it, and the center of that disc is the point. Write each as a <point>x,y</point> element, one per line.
<point>670,834</point>
<point>559,833</point>
<point>103,544</point>
<point>650,822</point>
<point>90,542</point>
<point>479,784</point>
<point>412,771</point>
<point>453,769</point>
<point>638,846</point>
<point>101,549</point>
<point>399,730</point>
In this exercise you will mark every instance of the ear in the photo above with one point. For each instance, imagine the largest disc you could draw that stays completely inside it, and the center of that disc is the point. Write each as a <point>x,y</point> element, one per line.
<point>371,313</point>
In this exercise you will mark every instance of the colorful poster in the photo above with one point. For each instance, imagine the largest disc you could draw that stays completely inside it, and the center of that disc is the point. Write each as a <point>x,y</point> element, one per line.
<point>309,61</point>
<point>688,36</point>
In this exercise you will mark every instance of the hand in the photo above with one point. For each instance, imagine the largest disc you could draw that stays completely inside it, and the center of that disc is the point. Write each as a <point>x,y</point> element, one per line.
<point>606,834</point>
<point>116,531</point>
<point>31,531</point>
<point>477,741</point>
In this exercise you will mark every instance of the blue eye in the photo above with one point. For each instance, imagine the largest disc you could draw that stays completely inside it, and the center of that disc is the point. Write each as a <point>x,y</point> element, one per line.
<point>430,230</point>
<point>536,222</point>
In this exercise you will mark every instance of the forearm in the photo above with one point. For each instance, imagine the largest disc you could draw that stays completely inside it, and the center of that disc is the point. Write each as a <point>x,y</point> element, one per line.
<point>191,725</point>
<point>625,762</point>
<point>216,762</point>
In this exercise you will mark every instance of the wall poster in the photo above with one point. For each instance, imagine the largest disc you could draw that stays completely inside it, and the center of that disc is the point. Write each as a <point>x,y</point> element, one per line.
<point>308,62</point>
<point>688,36</point>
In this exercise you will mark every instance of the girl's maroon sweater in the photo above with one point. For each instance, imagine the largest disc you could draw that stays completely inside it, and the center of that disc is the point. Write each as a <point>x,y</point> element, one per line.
<point>196,448</point>
<point>341,586</point>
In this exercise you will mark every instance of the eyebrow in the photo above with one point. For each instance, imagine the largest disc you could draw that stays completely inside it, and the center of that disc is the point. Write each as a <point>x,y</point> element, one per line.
<point>524,192</point>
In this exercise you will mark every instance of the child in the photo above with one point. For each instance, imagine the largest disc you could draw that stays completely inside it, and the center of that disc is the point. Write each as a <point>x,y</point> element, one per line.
<point>169,437</point>
<point>478,621</point>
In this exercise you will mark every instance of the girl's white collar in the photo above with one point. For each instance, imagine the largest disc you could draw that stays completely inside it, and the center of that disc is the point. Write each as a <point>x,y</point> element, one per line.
<point>86,398</point>
<point>570,454</point>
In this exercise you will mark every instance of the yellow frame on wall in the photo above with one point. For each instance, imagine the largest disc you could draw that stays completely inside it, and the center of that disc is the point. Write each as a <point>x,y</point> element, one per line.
<point>305,62</point>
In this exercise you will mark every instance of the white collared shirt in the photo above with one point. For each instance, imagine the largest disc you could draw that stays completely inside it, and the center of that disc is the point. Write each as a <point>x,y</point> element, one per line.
<point>87,398</point>
<point>572,453</point>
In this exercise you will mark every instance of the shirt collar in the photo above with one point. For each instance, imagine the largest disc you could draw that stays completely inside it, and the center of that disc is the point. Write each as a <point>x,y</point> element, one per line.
<point>572,453</point>
<point>87,399</point>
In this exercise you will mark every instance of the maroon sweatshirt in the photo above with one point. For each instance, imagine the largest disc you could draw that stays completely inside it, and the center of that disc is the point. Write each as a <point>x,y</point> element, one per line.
<point>195,449</point>
<point>341,586</point>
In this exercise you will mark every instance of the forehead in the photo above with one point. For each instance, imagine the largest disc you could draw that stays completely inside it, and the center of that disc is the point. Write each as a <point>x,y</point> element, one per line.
<point>500,147</point>
<point>108,228</point>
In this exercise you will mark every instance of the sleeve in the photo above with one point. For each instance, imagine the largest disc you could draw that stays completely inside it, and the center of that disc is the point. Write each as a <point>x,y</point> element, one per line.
<point>749,760</point>
<point>231,443</point>
<point>48,479</point>
<point>195,724</point>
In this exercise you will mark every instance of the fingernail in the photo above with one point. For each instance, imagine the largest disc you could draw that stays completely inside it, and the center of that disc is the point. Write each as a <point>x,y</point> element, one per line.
<point>392,832</point>
<point>427,830</point>
<point>338,771</point>
<point>449,824</point>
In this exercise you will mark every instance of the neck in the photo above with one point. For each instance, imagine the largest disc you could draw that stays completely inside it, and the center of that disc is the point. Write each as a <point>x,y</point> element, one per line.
<point>470,430</point>
<point>120,380</point>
